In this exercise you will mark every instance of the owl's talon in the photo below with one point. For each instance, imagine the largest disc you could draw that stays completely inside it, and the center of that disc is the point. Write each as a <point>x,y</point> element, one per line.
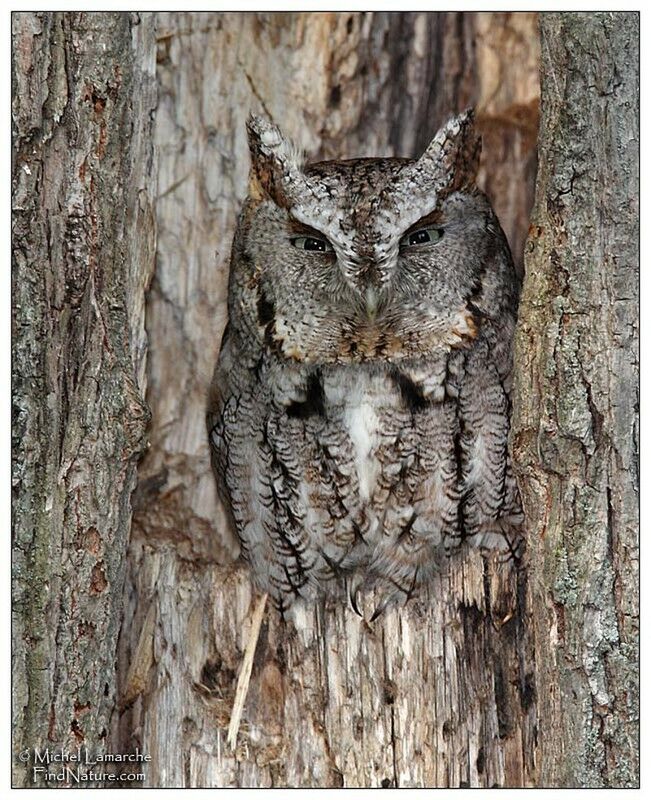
<point>353,603</point>
<point>354,595</point>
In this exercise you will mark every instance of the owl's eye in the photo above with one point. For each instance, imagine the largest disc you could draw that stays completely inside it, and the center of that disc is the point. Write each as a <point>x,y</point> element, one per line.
<point>422,236</point>
<point>312,243</point>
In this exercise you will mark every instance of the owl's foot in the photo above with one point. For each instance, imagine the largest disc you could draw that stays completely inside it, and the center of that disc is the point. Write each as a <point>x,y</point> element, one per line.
<point>354,589</point>
<point>503,537</point>
<point>390,591</point>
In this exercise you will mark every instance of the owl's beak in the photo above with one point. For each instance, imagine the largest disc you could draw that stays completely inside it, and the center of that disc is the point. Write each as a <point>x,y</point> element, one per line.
<point>371,297</point>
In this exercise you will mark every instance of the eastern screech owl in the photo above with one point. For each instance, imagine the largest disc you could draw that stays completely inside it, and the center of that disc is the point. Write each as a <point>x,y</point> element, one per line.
<point>359,410</point>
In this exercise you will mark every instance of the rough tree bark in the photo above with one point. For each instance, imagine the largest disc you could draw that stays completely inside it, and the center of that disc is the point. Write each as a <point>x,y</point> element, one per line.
<point>575,428</point>
<point>83,251</point>
<point>439,693</point>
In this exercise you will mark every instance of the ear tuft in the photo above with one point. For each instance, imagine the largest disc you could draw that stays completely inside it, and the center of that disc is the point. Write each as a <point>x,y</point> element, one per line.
<point>276,162</point>
<point>262,133</point>
<point>454,152</point>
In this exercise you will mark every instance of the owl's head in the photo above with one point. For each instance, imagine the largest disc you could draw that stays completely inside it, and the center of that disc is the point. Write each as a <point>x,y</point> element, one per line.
<point>374,259</point>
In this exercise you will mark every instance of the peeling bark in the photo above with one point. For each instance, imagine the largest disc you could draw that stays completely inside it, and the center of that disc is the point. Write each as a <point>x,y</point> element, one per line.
<point>83,246</point>
<point>575,427</point>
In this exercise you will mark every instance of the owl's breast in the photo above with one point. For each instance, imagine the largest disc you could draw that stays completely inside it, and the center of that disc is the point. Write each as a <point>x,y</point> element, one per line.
<point>369,408</point>
<point>362,424</point>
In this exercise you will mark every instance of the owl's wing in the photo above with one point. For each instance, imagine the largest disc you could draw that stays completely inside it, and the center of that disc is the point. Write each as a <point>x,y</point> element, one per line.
<point>490,503</point>
<point>446,478</point>
<point>286,472</point>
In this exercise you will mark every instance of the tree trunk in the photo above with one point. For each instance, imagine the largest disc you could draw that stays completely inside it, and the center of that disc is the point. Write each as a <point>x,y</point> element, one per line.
<point>575,430</point>
<point>439,693</point>
<point>83,252</point>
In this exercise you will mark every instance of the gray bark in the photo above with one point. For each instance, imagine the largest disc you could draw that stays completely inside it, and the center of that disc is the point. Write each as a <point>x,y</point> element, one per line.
<point>575,428</point>
<point>439,693</point>
<point>83,247</point>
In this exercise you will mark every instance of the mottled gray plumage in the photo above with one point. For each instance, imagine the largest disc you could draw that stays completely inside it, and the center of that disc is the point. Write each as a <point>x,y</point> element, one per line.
<point>359,411</point>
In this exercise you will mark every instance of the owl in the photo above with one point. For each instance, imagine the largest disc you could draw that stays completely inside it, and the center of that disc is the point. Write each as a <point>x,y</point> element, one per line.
<point>359,411</point>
